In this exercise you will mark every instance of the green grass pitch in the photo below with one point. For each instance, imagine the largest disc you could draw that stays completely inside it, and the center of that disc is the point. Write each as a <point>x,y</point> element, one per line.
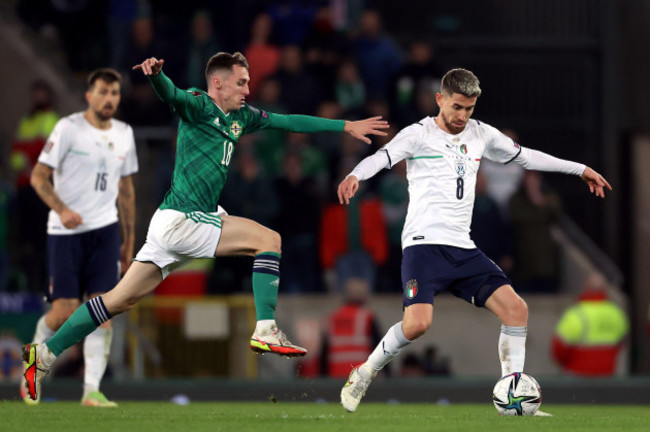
<point>311,417</point>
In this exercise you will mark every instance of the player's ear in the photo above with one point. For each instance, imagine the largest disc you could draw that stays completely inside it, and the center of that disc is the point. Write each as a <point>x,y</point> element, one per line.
<point>216,81</point>
<point>439,97</point>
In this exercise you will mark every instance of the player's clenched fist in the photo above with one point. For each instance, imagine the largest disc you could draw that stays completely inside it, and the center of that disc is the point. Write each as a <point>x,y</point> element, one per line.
<point>150,67</point>
<point>347,189</point>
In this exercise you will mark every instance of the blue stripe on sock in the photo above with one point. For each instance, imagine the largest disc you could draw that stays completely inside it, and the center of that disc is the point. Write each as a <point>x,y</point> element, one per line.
<point>267,263</point>
<point>267,257</point>
<point>267,271</point>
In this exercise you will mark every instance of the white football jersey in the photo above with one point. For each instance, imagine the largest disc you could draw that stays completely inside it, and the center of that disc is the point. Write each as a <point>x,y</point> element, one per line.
<point>441,172</point>
<point>88,164</point>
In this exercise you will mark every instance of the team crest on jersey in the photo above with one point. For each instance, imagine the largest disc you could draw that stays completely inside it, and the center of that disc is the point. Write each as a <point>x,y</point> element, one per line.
<point>460,167</point>
<point>463,149</point>
<point>235,129</point>
<point>411,288</point>
<point>111,146</point>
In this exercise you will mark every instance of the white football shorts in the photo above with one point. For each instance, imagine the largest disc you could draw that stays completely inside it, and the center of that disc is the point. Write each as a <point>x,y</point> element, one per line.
<point>175,238</point>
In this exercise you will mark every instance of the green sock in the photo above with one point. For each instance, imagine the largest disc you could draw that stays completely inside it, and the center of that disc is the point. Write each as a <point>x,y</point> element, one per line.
<point>81,323</point>
<point>266,281</point>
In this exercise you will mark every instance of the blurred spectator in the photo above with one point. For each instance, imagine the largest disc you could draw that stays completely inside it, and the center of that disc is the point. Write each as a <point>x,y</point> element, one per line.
<point>350,152</point>
<point>489,230</point>
<point>270,143</point>
<point>503,180</point>
<point>425,106</point>
<point>11,365</point>
<point>420,75</point>
<point>330,142</point>
<point>7,204</point>
<point>378,107</point>
<point>324,47</point>
<point>249,193</point>
<point>263,56</point>
<point>433,364</point>
<point>346,14</point>
<point>313,161</point>
<point>411,366</point>
<point>591,334</point>
<point>33,130</point>
<point>352,331</point>
<point>121,14</point>
<point>379,57</point>
<point>533,211</point>
<point>353,239</point>
<point>393,188</point>
<point>292,19</point>
<point>350,91</point>
<point>299,91</point>
<point>202,45</point>
<point>142,44</point>
<point>297,221</point>
<point>140,105</point>
<point>71,22</point>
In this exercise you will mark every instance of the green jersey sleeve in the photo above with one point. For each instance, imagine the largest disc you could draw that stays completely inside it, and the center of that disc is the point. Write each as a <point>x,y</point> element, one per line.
<point>187,103</point>
<point>259,119</point>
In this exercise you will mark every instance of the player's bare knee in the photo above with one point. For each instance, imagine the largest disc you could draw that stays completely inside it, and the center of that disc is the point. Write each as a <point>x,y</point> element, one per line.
<point>272,242</point>
<point>60,314</point>
<point>59,318</point>
<point>516,313</point>
<point>415,328</point>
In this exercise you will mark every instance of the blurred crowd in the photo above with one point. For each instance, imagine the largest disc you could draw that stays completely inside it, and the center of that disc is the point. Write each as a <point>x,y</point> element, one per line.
<point>331,59</point>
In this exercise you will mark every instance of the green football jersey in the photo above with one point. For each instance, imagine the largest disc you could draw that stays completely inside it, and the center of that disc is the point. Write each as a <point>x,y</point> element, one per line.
<point>207,139</point>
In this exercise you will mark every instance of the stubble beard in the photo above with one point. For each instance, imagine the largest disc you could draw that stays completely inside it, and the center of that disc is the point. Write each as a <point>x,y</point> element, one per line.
<point>454,130</point>
<point>104,117</point>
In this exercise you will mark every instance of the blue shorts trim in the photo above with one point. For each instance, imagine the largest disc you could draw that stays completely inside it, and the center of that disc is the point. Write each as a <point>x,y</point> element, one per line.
<point>83,264</point>
<point>428,270</point>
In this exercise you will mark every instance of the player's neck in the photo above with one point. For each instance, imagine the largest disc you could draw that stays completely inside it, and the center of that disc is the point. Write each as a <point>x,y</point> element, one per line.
<point>96,122</point>
<point>218,102</point>
<point>441,124</point>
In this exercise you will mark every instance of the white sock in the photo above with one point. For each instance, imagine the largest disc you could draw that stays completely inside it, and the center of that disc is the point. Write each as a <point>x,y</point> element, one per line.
<point>97,345</point>
<point>43,332</point>
<point>263,325</point>
<point>389,348</point>
<point>46,356</point>
<point>512,349</point>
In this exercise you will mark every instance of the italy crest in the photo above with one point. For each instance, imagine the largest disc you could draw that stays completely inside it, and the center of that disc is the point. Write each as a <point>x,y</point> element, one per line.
<point>411,288</point>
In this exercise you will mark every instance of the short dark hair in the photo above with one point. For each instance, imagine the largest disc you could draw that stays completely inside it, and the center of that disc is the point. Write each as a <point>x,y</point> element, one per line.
<point>460,81</point>
<point>108,75</point>
<point>223,60</point>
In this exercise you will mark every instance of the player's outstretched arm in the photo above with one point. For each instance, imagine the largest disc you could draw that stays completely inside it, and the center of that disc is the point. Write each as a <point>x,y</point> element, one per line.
<point>347,189</point>
<point>370,126</point>
<point>596,182</point>
<point>150,67</point>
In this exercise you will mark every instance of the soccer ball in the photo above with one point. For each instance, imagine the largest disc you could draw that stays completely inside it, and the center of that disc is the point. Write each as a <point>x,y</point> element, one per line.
<point>517,394</point>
